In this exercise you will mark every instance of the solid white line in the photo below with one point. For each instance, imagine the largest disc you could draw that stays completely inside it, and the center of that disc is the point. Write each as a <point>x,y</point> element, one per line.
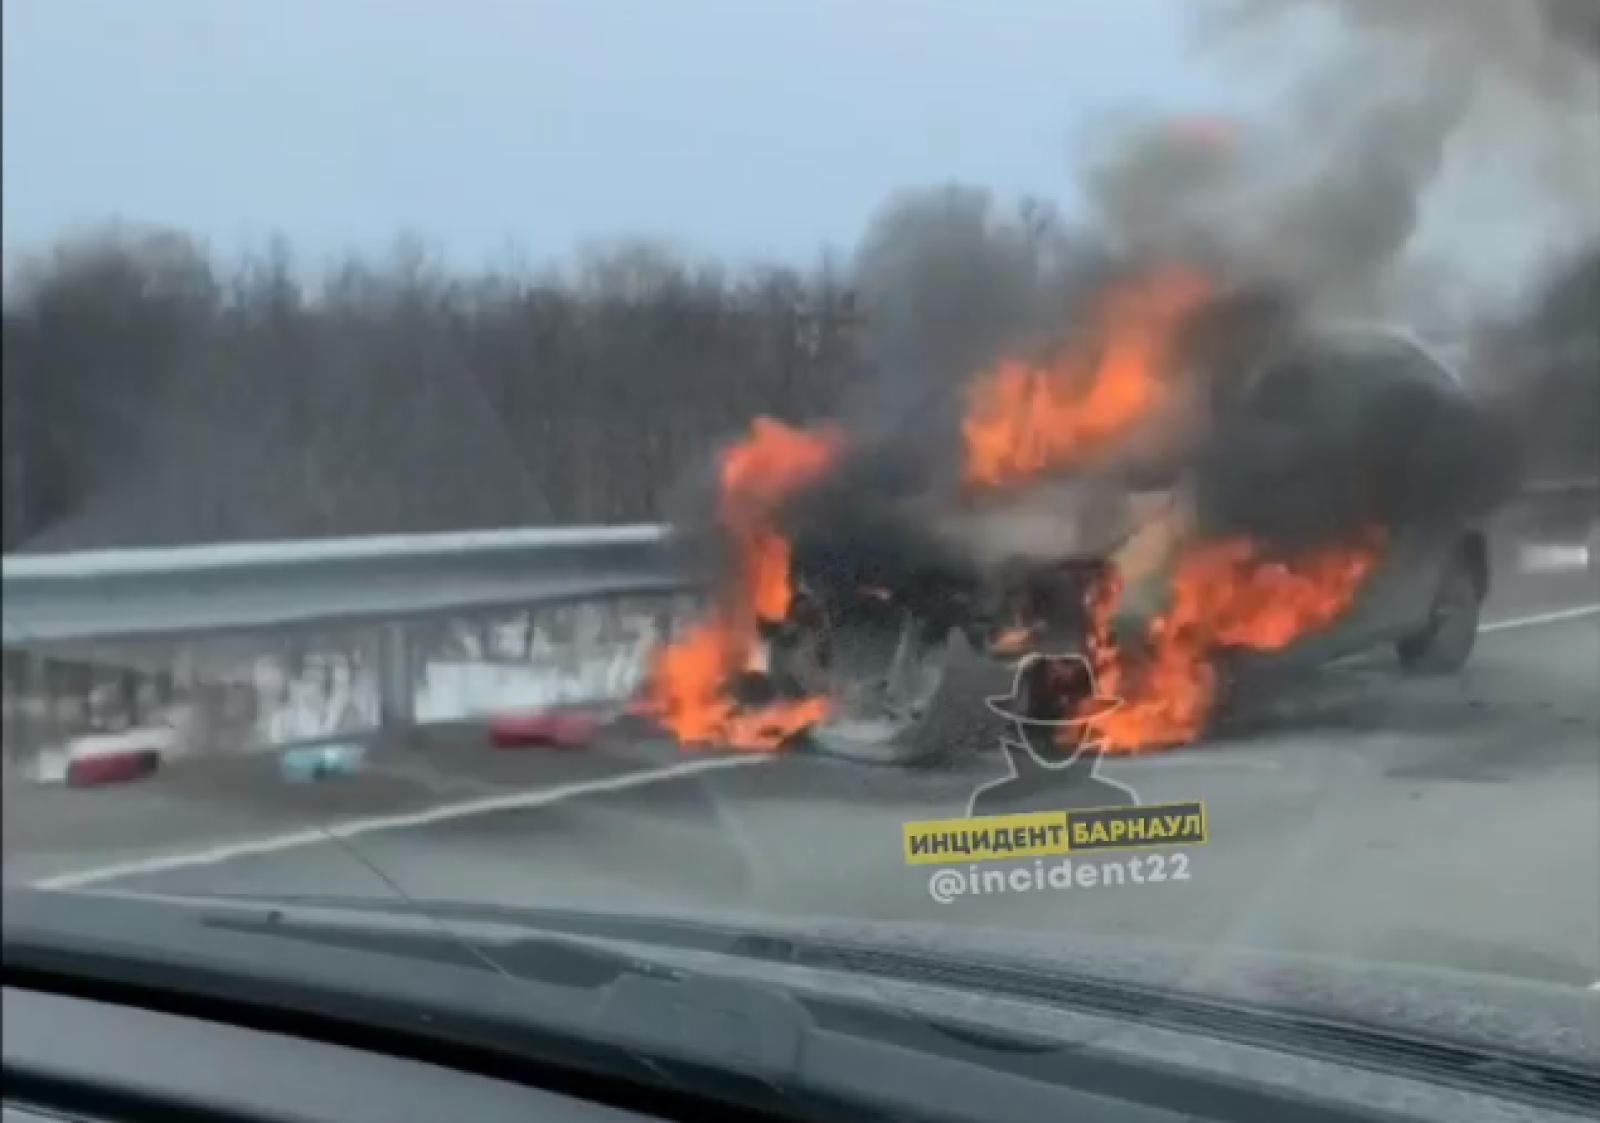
<point>1185,758</point>
<point>1541,618</point>
<point>519,801</point>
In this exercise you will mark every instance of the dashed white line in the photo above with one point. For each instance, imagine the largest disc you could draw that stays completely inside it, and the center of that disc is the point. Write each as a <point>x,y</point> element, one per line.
<point>1556,617</point>
<point>519,801</point>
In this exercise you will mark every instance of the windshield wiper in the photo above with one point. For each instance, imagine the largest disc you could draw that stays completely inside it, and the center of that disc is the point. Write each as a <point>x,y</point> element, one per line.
<point>556,959</point>
<point>694,1039</point>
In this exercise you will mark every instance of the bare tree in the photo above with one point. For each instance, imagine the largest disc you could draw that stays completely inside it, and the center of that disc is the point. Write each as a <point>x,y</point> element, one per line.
<point>153,398</point>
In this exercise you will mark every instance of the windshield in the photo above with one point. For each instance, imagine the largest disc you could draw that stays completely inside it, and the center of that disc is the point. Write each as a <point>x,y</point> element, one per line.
<point>479,455</point>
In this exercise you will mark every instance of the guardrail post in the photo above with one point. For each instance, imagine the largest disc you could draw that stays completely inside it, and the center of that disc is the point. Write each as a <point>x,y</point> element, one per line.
<point>397,686</point>
<point>21,708</point>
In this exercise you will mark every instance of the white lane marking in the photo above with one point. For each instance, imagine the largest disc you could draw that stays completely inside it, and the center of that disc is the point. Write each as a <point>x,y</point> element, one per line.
<point>1554,559</point>
<point>518,801</point>
<point>1542,618</point>
<point>1595,986</point>
<point>1187,758</point>
<point>548,797</point>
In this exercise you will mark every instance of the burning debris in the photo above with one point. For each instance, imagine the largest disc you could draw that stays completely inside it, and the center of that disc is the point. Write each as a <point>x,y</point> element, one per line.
<point>690,686</point>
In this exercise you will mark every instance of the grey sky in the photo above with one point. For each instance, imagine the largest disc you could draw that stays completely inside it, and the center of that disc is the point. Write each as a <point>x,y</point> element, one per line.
<point>737,127</point>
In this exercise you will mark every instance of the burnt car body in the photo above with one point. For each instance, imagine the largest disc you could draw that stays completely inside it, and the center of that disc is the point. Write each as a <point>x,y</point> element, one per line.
<point>895,621</point>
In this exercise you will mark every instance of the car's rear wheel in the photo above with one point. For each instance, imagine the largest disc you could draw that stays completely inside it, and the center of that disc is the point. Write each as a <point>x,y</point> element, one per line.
<point>1445,644</point>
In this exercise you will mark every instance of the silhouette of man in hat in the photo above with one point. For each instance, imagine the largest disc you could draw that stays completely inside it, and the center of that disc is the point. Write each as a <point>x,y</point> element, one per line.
<point>1052,707</point>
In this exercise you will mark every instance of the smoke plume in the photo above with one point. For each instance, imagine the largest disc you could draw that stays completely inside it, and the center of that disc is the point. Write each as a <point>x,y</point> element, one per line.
<point>1317,210</point>
<point>1539,367</point>
<point>1398,122</point>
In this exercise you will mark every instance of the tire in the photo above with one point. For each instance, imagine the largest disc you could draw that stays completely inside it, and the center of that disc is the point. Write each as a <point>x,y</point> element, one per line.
<point>951,723</point>
<point>1445,644</point>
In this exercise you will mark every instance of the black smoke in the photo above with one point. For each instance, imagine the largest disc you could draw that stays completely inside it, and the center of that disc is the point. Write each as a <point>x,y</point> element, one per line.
<point>1294,437</point>
<point>1335,442</point>
<point>1308,217</point>
<point>1541,369</point>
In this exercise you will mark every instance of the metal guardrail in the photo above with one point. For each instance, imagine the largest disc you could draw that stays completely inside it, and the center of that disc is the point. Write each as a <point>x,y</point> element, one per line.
<point>59,599</point>
<point>1570,486</point>
<point>139,617</point>
<point>62,599</point>
<point>231,694</point>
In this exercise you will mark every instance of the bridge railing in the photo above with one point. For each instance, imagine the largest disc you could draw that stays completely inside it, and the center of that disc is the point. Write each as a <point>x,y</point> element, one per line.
<point>234,648</point>
<point>237,648</point>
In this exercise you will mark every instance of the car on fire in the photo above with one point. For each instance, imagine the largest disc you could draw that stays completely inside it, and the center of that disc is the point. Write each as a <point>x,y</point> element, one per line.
<point>903,640</point>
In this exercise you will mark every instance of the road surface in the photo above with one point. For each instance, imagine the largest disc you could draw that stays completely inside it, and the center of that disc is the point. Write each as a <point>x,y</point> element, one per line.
<point>1450,823</point>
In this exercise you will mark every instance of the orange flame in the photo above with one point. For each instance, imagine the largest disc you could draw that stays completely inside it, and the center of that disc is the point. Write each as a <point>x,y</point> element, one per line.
<point>1011,640</point>
<point>687,687</point>
<point>1023,418</point>
<point>1223,595</point>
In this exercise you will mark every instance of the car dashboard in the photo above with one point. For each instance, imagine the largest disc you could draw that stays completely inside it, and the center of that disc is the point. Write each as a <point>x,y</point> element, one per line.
<point>89,1062</point>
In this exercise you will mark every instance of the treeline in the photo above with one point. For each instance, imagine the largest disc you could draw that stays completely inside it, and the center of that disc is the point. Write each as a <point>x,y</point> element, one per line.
<point>155,397</point>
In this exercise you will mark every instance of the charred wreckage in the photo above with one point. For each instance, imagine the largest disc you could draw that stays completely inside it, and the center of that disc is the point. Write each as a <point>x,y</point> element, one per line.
<point>1202,494</point>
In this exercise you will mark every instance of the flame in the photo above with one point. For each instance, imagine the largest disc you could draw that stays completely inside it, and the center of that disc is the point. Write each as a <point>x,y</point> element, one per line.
<point>1027,418</point>
<point>1024,418</point>
<point>1223,595</point>
<point>1095,396</point>
<point>687,686</point>
<point>1012,639</point>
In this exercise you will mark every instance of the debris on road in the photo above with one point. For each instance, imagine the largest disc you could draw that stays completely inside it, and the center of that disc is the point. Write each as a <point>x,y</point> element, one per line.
<point>115,758</point>
<point>321,762</point>
<point>556,727</point>
<point>112,768</point>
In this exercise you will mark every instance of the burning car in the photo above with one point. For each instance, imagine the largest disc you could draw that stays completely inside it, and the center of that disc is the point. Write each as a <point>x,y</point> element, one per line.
<point>1202,527</point>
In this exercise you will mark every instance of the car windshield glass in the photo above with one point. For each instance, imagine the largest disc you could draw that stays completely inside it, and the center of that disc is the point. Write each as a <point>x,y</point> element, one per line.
<point>801,464</point>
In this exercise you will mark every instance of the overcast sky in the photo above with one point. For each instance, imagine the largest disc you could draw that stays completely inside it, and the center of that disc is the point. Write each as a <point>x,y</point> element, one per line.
<point>736,127</point>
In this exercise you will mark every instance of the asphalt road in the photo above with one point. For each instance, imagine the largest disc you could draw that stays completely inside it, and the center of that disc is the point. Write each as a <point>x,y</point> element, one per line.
<point>1448,823</point>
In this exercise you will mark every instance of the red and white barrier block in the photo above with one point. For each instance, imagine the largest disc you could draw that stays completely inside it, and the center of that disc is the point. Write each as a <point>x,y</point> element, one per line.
<point>554,727</point>
<point>117,758</point>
